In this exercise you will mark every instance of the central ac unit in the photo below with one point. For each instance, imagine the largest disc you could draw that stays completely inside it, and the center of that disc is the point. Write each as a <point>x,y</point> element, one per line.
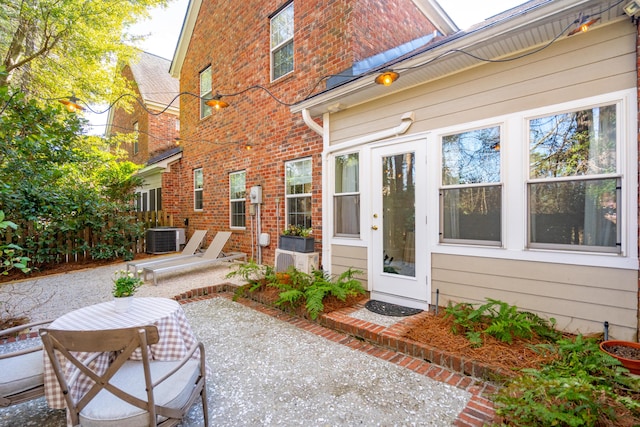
<point>161,240</point>
<point>305,262</point>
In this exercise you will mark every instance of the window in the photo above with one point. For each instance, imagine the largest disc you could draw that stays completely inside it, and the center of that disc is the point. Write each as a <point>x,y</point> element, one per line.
<point>237,194</point>
<point>136,135</point>
<point>198,185</point>
<point>282,42</point>
<point>574,184</point>
<point>205,92</point>
<point>346,200</point>
<point>471,193</point>
<point>298,192</point>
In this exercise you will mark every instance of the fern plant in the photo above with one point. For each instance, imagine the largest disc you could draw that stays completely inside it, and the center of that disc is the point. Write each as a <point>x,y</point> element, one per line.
<point>500,320</point>
<point>312,289</point>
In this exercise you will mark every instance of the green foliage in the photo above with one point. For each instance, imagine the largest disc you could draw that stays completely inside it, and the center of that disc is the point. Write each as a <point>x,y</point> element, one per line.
<point>62,182</point>
<point>297,230</point>
<point>500,320</point>
<point>56,48</point>
<point>125,284</point>
<point>583,386</point>
<point>10,257</point>
<point>298,288</point>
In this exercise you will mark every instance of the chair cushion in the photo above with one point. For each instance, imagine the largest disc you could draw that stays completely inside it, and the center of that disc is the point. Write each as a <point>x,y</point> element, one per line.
<point>107,410</point>
<point>21,373</point>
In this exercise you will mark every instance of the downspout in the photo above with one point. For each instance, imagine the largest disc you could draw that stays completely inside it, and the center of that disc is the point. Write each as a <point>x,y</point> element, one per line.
<point>311,123</point>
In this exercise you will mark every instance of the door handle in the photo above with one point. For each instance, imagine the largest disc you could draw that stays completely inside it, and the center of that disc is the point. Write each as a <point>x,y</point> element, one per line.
<point>374,227</point>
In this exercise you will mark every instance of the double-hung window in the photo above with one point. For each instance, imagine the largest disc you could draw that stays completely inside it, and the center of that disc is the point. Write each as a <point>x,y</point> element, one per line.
<point>237,195</point>
<point>298,192</point>
<point>198,187</point>
<point>574,182</point>
<point>205,92</point>
<point>136,137</point>
<point>282,42</point>
<point>346,199</point>
<point>471,191</point>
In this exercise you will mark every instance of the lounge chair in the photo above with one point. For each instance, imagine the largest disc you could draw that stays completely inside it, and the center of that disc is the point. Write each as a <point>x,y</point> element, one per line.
<point>189,250</point>
<point>212,256</point>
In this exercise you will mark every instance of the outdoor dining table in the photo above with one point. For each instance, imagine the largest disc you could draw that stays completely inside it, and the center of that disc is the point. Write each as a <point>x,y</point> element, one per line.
<point>176,338</point>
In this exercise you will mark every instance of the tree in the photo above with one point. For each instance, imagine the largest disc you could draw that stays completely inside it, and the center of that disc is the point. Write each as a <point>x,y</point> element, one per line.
<point>61,181</point>
<point>54,48</point>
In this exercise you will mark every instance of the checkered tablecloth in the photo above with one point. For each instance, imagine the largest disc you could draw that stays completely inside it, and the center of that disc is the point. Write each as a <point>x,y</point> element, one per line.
<point>176,338</point>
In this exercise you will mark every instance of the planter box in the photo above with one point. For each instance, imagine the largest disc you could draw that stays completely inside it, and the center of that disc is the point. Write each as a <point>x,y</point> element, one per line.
<point>297,243</point>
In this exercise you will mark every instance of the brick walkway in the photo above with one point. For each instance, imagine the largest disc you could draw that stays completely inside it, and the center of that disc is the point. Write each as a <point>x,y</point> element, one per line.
<point>385,343</point>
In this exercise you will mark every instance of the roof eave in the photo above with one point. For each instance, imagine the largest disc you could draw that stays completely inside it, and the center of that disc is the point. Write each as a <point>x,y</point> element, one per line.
<point>188,25</point>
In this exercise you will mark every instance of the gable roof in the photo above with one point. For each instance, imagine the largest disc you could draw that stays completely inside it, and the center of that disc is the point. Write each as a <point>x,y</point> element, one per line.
<point>430,8</point>
<point>156,86</point>
<point>526,28</point>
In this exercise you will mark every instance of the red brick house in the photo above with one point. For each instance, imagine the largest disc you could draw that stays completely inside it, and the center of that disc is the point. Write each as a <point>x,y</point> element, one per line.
<point>154,120</point>
<point>260,58</point>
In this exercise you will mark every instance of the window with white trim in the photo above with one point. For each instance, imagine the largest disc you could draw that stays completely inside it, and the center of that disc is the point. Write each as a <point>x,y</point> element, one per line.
<point>298,192</point>
<point>237,199</point>
<point>471,191</point>
<point>198,188</point>
<point>574,181</point>
<point>205,92</point>
<point>136,136</point>
<point>282,42</point>
<point>346,199</point>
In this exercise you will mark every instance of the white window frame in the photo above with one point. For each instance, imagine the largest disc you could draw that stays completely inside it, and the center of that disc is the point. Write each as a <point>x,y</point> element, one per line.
<point>614,176</point>
<point>452,187</point>
<point>234,200</point>
<point>278,45</point>
<point>198,190</point>
<point>345,194</point>
<point>290,197</point>
<point>136,137</point>
<point>206,92</point>
<point>515,152</point>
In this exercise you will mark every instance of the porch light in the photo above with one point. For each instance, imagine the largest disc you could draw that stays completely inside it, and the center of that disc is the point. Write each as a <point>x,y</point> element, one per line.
<point>387,77</point>
<point>632,8</point>
<point>584,25</point>
<point>71,104</point>
<point>217,103</point>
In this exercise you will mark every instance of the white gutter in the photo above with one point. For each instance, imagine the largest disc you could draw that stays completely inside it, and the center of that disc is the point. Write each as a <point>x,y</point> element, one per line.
<point>406,121</point>
<point>306,116</point>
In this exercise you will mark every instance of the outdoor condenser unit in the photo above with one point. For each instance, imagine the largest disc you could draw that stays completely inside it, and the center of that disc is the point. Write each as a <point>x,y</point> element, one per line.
<point>161,240</point>
<point>305,262</point>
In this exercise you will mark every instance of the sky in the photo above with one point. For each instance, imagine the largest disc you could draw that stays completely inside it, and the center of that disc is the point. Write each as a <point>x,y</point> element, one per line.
<point>163,28</point>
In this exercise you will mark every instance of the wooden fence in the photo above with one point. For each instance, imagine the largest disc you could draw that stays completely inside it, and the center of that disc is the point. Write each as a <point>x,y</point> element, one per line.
<point>75,246</point>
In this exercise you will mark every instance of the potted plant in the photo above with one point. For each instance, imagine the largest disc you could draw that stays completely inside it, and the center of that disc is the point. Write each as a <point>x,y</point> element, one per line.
<point>125,285</point>
<point>627,352</point>
<point>297,238</point>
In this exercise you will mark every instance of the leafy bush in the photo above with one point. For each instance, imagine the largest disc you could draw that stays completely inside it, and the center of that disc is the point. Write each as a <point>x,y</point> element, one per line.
<point>583,386</point>
<point>10,255</point>
<point>500,320</point>
<point>298,288</point>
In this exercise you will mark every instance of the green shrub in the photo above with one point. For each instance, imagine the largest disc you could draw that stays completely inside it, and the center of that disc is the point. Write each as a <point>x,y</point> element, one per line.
<point>583,386</point>
<point>500,320</point>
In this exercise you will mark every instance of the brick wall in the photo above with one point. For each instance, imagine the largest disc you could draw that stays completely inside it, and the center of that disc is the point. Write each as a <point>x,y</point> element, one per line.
<point>156,133</point>
<point>233,37</point>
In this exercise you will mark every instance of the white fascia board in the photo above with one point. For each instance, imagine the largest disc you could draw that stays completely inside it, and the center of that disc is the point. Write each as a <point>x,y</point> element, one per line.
<point>186,33</point>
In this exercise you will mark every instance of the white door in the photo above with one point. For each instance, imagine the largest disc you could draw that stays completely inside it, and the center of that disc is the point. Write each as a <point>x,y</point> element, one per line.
<point>398,225</point>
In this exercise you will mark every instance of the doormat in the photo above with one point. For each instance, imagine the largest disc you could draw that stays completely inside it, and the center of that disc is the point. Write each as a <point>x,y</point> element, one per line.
<point>388,309</point>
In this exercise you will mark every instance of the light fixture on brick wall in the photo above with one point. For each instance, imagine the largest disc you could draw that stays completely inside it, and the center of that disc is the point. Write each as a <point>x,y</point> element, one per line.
<point>387,77</point>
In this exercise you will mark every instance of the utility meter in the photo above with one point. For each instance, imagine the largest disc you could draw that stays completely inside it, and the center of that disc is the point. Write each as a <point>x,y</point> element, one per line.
<point>255,194</point>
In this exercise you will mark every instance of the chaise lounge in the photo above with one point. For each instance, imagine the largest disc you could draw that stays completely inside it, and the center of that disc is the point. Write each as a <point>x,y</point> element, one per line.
<point>212,256</point>
<point>189,250</point>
